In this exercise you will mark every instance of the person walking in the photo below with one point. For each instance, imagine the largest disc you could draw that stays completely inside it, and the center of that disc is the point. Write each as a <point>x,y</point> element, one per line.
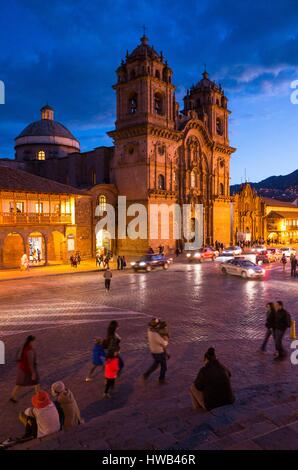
<point>112,368</point>
<point>27,374</point>
<point>282,322</point>
<point>158,347</point>
<point>293,265</point>
<point>112,342</point>
<point>123,262</point>
<point>98,358</point>
<point>107,277</point>
<point>270,324</point>
<point>283,262</point>
<point>66,402</point>
<point>118,262</point>
<point>212,386</point>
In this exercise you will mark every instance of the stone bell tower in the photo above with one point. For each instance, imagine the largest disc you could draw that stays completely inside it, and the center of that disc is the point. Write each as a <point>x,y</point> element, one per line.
<point>143,166</point>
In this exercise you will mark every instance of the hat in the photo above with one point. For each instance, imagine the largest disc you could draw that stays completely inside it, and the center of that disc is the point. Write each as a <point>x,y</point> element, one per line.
<point>41,399</point>
<point>57,387</point>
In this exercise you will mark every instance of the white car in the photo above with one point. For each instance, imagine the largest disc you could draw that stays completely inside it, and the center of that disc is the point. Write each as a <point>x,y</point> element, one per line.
<point>258,248</point>
<point>232,250</point>
<point>244,268</point>
<point>288,251</point>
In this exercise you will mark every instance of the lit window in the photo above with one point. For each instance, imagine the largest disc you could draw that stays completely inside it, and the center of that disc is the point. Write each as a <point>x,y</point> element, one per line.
<point>133,104</point>
<point>102,202</point>
<point>158,103</point>
<point>161,182</point>
<point>192,180</point>
<point>39,207</point>
<point>41,155</point>
<point>20,207</point>
<point>219,126</point>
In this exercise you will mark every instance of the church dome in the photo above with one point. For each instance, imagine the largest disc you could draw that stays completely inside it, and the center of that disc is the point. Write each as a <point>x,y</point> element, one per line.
<point>47,131</point>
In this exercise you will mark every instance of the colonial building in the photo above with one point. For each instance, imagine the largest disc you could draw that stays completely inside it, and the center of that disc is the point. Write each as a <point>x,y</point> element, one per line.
<point>160,155</point>
<point>257,218</point>
<point>40,217</point>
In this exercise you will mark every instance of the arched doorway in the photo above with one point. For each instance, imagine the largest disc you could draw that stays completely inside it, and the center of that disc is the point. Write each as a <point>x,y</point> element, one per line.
<point>103,242</point>
<point>13,250</point>
<point>56,248</point>
<point>37,249</point>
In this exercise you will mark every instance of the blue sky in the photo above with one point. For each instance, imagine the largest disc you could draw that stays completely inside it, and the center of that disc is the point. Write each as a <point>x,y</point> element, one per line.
<point>65,52</point>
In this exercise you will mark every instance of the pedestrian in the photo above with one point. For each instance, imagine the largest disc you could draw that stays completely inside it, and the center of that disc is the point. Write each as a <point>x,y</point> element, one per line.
<point>112,342</point>
<point>98,358</point>
<point>24,262</point>
<point>123,262</point>
<point>118,262</point>
<point>284,262</point>
<point>158,348</point>
<point>107,277</point>
<point>293,265</point>
<point>270,324</point>
<point>38,255</point>
<point>282,322</point>
<point>66,402</point>
<point>111,372</point>
<point>97,260</point>
<point>78,256</point>
<point>212,387</point>
<point>42,419</point>
<point>177,252</point>
<point>27,374</point>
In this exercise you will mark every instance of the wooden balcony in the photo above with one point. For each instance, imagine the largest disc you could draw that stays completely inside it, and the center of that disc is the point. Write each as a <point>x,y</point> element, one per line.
<point>32,218</point>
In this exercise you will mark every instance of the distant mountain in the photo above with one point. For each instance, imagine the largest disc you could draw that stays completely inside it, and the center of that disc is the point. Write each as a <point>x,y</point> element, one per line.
<point>279,187</point>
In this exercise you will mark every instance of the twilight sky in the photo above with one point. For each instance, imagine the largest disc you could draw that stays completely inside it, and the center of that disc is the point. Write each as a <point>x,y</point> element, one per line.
<point>65,52</point>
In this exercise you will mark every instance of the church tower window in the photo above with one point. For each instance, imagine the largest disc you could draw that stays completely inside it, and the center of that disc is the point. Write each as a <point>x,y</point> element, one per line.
<point>192,179</point>
<point>157,74</point>
<point>41,155</point>
<point>133,104</point>
<point>161,182</point>
<point>221,189</point>
<point>158,104</point>
<point>102,202</point>
<point>219,126</point>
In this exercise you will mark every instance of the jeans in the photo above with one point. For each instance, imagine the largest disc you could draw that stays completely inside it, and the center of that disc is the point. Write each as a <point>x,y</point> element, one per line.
<point>278,336</point>
<point>107,284</point>
<point>269,332</point>
<point>293,271</point>
<point>109,385</point>
<point>158,360</point>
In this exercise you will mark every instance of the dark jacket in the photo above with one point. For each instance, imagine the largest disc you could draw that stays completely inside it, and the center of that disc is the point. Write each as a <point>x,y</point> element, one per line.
<point>214,381</point>
<point>270,322</point>
<point>282,319</point>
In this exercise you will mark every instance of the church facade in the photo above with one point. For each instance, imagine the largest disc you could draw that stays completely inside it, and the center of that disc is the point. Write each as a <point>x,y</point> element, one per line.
<point>161,155</point>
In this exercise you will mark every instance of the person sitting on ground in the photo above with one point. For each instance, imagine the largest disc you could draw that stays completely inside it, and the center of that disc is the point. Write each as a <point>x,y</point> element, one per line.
<point>42,419</point>
<point>212,387</point>
<point>66,405</point>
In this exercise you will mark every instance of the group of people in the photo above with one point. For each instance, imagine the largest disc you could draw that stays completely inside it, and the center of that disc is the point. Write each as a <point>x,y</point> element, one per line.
<point>121,262</point>
<point>293,264</point>
<point>278,320</point>
<point>103,259</point>
<point>75,259</point>
<point>58,409</point>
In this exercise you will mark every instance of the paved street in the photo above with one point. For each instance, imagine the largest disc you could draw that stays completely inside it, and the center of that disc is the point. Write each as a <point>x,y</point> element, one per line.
<point>203,308</point>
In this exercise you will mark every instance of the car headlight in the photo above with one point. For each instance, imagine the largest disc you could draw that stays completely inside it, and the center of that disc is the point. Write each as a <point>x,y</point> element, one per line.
<point>263,271</point>
<point>132,263</point>
<point>197,255</point>
<point>188,255</point>
<point>142,263</point>
<point>250,271</point>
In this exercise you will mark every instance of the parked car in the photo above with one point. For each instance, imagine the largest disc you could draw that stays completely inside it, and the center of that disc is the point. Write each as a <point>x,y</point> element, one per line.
<point>202,254</point>
<point>232,250</point>
<point>242,267</point>
<point>259,248</point>
<point>149,262</point>
<point>274,254</point>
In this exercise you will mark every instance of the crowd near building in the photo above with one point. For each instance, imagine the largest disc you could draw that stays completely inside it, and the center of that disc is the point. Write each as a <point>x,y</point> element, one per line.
<point>160,155</point>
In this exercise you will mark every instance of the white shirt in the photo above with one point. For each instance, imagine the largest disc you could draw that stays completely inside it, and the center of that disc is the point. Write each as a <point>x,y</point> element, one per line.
<point>47,419</point>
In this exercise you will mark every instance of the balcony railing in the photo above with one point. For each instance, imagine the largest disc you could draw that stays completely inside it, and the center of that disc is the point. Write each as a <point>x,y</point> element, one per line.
<point>33,218</point>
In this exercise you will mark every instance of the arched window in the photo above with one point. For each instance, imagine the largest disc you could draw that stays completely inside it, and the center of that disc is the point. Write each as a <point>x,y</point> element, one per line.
<point>41,155</point>
<point>132,74</point>
<point>158,103</point>
<point>161,182</point>
<point>221,189</point>
<point>102,202</point>
<point>192,179</point>
<point>219,126</point>
<point>133,104</point>
<point>198,102</point>
<point>157,74</point>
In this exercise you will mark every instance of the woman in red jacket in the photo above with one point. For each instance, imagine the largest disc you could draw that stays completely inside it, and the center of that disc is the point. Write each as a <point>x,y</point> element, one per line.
<point>111,371</point>
<point>27,369</point>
